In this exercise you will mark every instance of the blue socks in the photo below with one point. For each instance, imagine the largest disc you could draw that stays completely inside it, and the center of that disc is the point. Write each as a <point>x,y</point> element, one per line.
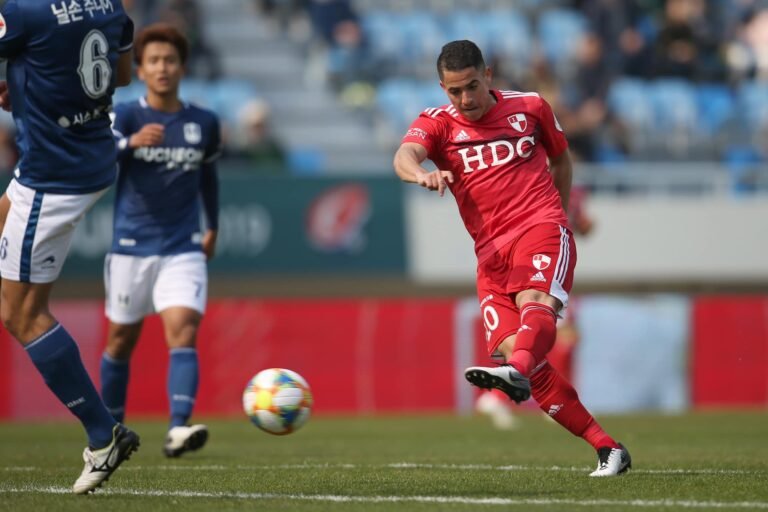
<point>57,358</point>
<point>183,372</point>
<point>114,385</point>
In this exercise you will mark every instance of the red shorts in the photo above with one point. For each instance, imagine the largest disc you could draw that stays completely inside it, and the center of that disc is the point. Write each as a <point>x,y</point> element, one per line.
<point>543,258</point>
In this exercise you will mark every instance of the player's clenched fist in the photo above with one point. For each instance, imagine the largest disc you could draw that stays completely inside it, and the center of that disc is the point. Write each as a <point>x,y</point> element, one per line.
<point>151,134</point>
<point>435,180</point>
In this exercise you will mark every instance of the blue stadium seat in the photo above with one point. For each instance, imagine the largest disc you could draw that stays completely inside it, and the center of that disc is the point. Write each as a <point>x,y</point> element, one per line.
<point>753,104</point>
<point>674,104</point>
<point>510,36</point>
<point>466,24</point>
<point>422,35</point>
<point>400,100</point>
<point>382,30</point>
<point>228,96</point>
<point>305,161</point>
<point>130,92</point>
<point>559,31</point>
<point>198,92</point>
<point>629,99</point>
<point>715,104</point>
<point>432,95</point>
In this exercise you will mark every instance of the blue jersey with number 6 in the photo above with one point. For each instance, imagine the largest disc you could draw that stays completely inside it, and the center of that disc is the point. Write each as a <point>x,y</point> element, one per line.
<point>62,66</point>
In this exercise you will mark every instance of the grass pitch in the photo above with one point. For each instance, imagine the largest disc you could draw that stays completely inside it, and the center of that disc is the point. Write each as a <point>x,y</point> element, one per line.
<point>705,461</point>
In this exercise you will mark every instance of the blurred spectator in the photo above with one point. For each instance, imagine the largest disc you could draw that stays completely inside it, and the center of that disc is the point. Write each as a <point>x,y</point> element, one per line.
<point>747,53</point>
<point>185,15</point>
<point>626,31</point>
<point>582,109</point>
<point>254,142</point>
<point>340,39</point>
<point>687,44</point>
<point>287,16</point>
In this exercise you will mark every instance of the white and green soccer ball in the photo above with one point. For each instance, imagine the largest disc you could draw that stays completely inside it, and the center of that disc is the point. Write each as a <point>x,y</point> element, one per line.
<point>277,401</point>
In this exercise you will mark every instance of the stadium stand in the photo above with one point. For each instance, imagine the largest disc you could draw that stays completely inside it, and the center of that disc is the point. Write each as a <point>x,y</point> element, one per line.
<point>342,112</point>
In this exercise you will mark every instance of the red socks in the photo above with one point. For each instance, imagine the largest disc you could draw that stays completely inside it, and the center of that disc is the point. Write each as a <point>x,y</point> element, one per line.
<point>535,337</point>
<point>559,400</point>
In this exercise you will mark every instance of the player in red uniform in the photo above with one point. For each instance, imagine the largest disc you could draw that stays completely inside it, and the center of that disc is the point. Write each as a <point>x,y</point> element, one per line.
<point>505,159</point>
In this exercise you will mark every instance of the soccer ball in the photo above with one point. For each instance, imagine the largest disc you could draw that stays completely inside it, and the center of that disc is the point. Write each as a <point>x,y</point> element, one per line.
<point>277,401</point>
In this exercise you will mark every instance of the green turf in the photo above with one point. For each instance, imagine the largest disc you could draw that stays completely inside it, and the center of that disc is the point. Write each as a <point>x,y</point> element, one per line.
<point>706,461</point>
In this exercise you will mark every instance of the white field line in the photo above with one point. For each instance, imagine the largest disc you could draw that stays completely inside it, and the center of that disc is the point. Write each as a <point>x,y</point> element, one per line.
<point>669,503</point>
<point>412,465</point>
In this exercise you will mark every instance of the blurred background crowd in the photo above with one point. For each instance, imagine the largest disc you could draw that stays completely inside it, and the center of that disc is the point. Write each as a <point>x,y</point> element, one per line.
<point>329,86</point>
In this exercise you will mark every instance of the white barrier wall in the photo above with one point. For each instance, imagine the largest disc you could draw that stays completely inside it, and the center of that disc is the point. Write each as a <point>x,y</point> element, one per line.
<point>708,240</point>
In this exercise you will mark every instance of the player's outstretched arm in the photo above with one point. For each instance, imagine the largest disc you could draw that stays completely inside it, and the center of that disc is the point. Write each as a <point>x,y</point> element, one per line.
<point>561,168</point>
<point>407,163</point>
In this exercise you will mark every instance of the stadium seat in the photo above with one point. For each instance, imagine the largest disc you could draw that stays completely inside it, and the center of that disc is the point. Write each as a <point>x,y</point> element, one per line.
<point>741,162</point>
<point>674,104</point>
<point>465,24</point>
<point>198,92</point>
<point>753,103</point>
<point>715,106</point>
<point>383,34</point>
<point>510,36</point>
<point>432,95</point>
<point>559,31</point>
<point>130,92</point>
<point>629,99</point>
<point>400,101</point>
<point>305,161</point>
<point>228,96</point>
<point>422,35</point>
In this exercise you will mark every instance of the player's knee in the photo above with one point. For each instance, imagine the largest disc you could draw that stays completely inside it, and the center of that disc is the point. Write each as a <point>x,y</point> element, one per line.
<point>184,336</point>
<point>527,297</point>
<point>122,340</point>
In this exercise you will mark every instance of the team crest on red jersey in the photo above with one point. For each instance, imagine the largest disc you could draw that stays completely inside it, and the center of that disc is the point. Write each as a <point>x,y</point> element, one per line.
<point>518,122</point>
<point>541,261</point>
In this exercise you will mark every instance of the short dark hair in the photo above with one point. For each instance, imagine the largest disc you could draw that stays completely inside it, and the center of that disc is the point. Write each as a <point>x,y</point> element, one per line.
<point>458,55</point>
<point>160,33</point>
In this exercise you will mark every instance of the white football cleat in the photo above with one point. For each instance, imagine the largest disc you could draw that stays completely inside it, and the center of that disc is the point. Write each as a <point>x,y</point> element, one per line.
<point>100,464</point>
<point>504,377</point>
<point>612,461</point>
<point>185,439</point>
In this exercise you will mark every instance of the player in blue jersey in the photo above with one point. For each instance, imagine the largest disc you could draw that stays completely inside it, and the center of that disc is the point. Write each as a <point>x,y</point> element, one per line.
<point>166,150</point>
<point>64,60</point>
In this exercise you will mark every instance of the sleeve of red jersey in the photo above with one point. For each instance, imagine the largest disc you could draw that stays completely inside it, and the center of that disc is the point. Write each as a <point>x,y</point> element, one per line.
<point>553,136</point>
<point>425,130</point>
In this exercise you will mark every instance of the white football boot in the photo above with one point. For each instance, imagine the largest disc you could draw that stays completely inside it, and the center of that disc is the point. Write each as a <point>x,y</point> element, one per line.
<point>100,464</point>
<point>185,439</point>
<point>612,461</point>
<point>504,377</point>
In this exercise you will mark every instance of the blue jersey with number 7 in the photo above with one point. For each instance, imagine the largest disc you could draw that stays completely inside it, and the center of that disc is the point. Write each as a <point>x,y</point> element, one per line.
<point>62,65</point>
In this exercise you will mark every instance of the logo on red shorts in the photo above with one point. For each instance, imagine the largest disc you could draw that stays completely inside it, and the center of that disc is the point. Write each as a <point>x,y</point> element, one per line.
<point>541,261</point>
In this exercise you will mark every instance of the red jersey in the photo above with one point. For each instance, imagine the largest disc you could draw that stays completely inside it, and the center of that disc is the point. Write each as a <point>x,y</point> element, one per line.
<point>502,182</point>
